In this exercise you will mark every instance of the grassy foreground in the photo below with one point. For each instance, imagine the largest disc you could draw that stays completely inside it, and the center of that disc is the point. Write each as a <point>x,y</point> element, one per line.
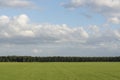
<point>60,71</point>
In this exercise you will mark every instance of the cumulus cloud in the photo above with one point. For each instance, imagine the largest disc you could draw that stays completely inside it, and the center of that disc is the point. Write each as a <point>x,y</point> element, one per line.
<point>109,8</point>
<point>4,19</point>
<point>19,30</point>
<point>19,27</point>
<point>16,4</point>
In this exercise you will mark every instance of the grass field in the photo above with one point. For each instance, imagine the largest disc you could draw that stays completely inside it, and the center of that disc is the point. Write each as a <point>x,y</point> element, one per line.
<point>60,71</point>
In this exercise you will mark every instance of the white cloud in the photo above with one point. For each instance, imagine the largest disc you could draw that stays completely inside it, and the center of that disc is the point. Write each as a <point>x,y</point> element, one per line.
<point>117,34</point>
<point>16,4</point>
<point>108,8</point>
<point>36,50</point>
<point>27,33</point>
<point>21,19</point>
<point>53,38</point>
<point>19,26</point>
<point>18,30</point>
<point>113,4</point>
<point>114,20</point>
<point>4,19</point>
<point>94,28</point>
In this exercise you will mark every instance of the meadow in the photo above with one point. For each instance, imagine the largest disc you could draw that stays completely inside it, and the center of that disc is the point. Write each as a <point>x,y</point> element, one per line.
<point>60,71</point>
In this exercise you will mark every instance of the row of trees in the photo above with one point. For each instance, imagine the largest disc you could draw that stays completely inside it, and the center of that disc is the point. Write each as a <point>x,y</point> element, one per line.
<point>57,59</point>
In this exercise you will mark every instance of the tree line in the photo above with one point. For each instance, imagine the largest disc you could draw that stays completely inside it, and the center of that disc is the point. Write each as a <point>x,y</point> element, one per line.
<point>57,59</point>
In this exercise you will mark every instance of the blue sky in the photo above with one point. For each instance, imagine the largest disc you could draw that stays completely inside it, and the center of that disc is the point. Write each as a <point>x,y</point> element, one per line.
<point>60,27</point>
<point>52,12</point>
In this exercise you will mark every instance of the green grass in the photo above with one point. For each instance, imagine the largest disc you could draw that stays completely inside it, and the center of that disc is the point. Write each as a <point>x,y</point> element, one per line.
<point>60,71</point>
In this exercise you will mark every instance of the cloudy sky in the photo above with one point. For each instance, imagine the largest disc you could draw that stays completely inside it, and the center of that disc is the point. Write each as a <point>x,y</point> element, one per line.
<point>60,27</point>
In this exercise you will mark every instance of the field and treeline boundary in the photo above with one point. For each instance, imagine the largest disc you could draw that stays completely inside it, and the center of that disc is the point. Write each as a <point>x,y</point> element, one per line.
<point>57,59</point>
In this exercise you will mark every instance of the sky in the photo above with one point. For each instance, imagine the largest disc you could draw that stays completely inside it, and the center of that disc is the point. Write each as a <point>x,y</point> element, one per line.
<point>59,27</point>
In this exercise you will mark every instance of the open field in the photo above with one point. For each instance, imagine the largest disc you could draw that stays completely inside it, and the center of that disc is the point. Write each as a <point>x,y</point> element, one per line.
<point>60,71</point>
